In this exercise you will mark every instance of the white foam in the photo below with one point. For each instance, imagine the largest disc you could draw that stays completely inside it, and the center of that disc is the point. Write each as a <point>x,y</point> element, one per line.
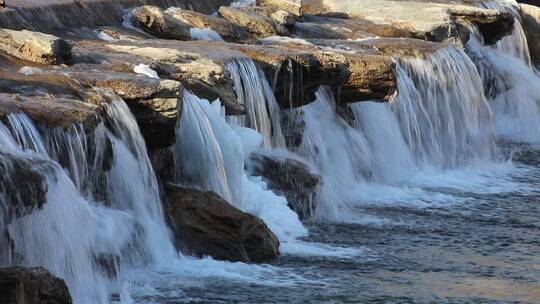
<point>206,34</point>
<point>146,70</point>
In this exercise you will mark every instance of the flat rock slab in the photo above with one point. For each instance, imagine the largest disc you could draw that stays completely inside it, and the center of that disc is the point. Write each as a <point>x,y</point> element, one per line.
<point>425,19</point>
<point>54,101</point>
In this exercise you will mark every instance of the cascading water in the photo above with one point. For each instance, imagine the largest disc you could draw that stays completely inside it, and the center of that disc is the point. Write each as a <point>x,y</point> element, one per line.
<point>74,229</point>
<point>510,81</point>
<point>514,44</point>
<point>210,154</point>
<point>254,91</point>
<point>438,120</point>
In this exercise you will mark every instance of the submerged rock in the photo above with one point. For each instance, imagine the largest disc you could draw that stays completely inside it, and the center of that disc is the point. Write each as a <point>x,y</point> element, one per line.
<point>531,25</point>
<point>204,224</point>
<point>290,177</point>
<point>257,24</point>
<point>35,47</point>
<point>19,285</point>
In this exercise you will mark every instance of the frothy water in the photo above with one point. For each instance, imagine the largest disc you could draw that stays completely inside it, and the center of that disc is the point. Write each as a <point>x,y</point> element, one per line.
<point>510,82</point>
<point>210,154</point>
<point>90,211</point>
<point>206,34</point>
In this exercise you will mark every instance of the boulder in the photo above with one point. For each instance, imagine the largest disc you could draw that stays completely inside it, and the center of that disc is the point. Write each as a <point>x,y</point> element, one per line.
<point>154,21</point>
<point>291,6</point>
<point>204,224</point>
<point>291,177</point>
<point>227,30</point>
<point>35,47</point>
<point>259,25</point>
<point>531,25</point>
<point>282,17</point>
<point>23,188</point>
<point>437,21</point>
<point>20,285</point>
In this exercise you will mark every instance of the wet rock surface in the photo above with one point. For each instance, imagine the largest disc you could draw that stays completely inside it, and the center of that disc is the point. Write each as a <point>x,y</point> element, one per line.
<point>20,285</point>
<point>23,188</point>
<point>290,177</point>
<point>204,224</point>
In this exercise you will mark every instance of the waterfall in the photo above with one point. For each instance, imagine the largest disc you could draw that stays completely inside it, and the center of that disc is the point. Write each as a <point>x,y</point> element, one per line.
<point>210,154</point>
<point>515,44</point>
<point>439,120</point>
<point>443,115</point>
<point>510,81</point>
<point>254,91</point>
<point>78,224</point>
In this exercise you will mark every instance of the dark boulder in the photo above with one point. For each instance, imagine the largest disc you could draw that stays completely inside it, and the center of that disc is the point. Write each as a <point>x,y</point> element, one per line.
<point>204,224</point>
<point>20,285</point>
<point>22,187</point>
<point>290,177</point>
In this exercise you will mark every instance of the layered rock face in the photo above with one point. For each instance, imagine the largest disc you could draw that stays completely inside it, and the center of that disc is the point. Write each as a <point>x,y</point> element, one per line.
<point>32,286</point>
<point>204,224</point>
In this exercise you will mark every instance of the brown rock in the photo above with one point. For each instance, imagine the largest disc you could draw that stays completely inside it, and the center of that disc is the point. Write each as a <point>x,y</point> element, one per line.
<point>531,25</point>
<point>20,285</point>
<point>205,224</point>
<point>438,21</point>
<point>291,6</point>
<point>154,21</point>
<point>227,30</point>
<point>259,25</point>
<point>35,47</point>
